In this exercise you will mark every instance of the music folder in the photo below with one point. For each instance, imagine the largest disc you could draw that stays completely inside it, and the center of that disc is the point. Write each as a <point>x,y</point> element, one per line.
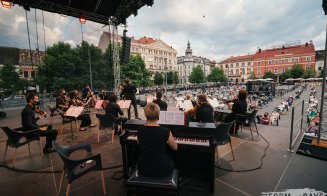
<point>98,104</point>
<point>74,111</point>
<point>171,117</point>
<point>124,104</point>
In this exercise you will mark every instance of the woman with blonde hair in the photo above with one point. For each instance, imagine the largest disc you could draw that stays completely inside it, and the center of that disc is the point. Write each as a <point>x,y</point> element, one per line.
<point>153,140</point>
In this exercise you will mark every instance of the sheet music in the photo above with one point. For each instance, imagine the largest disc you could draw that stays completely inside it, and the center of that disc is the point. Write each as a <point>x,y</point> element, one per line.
<point>188,105</point>
<point>162,117</point>
<point>98,105</point>
<point>149,98</point>
<point>171,117</point>
<point>74,111</point>
<point>213,102</point>
<point>124,104</point>
<point>176,109</point>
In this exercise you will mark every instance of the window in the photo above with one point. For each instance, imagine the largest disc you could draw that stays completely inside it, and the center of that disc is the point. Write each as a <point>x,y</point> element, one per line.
<point>276,61</point>
<point>283,70</point>
<point>307,67</point>
<point>237,72</point>
<point>259,71</point>
<point>297,59</point>
<point>283,60</point>
<point>243,64</point>
<point>270,62</point>
<point>259,62</point>
<point>249,63</point>
<point>276,71</point>
<point>319,68</point>
<point>226,65</point>
<point>231,65</point>
<point>236,64</point>
<point>290,60</point>
<point>25,74</point>
<point>308,58</point>
<point>151,66</point>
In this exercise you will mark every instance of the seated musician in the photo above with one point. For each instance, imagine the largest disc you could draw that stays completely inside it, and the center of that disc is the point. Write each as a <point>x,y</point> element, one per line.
<point>189,97</point>
<point>203,110</point>
<point>162,104</point>
<point>114,109</point>
<point>62,101</point>
<point>239,107</point>
<point>75,101</point>
<point>153,140</point>
<point>29,123</point>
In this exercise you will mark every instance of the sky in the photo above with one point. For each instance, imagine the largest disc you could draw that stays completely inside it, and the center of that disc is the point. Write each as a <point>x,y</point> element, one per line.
<point>216,29</point>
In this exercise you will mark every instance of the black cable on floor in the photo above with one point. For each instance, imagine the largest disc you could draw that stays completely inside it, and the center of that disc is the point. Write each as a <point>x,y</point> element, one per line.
<point>253,169</point>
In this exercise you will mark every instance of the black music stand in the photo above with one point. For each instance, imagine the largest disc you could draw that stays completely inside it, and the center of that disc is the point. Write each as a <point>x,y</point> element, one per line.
<point>72,113</point>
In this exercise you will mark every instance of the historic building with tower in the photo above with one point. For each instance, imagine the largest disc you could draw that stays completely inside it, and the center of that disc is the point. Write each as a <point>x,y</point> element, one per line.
<point>186,63</point>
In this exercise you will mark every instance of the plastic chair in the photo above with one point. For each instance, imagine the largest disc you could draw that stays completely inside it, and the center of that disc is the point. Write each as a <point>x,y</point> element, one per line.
<point>249,118</point>
<point>18,138</point>
<point>53,113</point>
<point>222,137</point>
<point>67,119</point>
<point>75,168</point>
<point>107,121</point>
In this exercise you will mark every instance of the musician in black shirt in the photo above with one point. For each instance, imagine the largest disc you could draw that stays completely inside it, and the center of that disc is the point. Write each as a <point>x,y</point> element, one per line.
<point>29,123</point>
<point>114,109</point>
<point>203,110</point>
<point>62,101</point>
<point>153,140</point>
<point>128,93</point>
<point>162,104</point>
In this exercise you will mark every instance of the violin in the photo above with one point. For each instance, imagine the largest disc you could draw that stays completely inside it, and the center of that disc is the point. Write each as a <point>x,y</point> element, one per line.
<point>42,113</point>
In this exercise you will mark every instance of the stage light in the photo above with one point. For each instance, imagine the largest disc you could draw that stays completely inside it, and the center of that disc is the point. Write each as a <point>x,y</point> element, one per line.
<point>6,4</point>
<point>82,20</point>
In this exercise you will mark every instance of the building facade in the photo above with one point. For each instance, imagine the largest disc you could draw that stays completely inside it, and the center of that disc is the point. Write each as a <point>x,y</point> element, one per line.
<point>21,59</point>
<point>157,55</point>
<point>237,68</point>
<point>279,59</point>
<point>320,56</point>
<point>185,65</point>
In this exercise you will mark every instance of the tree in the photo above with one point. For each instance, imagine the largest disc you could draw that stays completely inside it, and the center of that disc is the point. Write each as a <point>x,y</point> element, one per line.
<point>285,75</point>
<point>158,78</point>
<point>9,78</point>
<point>217,75</point>
<point>252,76</point>
<point>309,74</point>
<point>297,71</point>
<point>172,77</point>
<point>175,78</point>
<point>135,71</point>
<point>269,74</point>
<point>197,75</point>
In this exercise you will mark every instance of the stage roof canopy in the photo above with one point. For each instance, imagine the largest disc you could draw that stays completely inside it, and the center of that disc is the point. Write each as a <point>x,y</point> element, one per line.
<point>94,10</point>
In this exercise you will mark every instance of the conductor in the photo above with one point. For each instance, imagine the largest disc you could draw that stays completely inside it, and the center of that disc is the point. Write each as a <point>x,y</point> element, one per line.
<point>128,93</point>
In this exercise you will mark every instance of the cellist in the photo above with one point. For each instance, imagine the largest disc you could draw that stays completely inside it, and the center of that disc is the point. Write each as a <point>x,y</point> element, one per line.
<point>203,111</point>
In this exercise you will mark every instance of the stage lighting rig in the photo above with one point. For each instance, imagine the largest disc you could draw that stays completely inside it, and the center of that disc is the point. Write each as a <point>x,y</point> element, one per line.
<point>149,3</point>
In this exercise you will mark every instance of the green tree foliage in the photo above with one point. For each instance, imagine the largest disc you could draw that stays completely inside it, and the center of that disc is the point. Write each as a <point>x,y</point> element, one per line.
<point>309,74</point>
<point>175,77</point>
<point>158,79</point>
<point>135,71</point>
<point>285,75</point>
<point>252,76</point>
<point>297,71</point>
<point>197,75</point>
<point>172,77</point>
<point>269,74</point>
<point>9,78</point>
<point>217,75</point>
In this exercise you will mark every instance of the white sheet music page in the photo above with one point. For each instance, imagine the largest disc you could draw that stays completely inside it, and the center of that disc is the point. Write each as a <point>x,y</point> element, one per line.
<point>162,117</point>
<point>74,111</point>
<point>188,105</point>
<point>215,103</point>
<point>179,118</point>
<point>98,104</point>
<point>124,104</point>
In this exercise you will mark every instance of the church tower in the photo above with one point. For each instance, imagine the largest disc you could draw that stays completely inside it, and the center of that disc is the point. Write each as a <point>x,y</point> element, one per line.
<point>188,51</point>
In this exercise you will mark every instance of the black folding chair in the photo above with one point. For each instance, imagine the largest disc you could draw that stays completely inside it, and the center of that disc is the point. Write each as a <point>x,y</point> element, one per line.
<point>222,137</point>
<point>247,118</point>
<point>75,168</point>
<point>18,138</point>
<point>107,121</point>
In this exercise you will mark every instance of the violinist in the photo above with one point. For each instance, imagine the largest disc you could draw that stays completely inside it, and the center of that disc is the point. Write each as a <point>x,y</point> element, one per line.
<point>62,100</point>
<point>203,110</point>
<point>239,107</point>
<point>29,123</point>
<point>75,101</point>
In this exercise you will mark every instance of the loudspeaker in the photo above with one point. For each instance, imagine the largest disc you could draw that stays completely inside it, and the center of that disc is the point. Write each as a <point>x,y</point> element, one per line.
<point>125,50</point>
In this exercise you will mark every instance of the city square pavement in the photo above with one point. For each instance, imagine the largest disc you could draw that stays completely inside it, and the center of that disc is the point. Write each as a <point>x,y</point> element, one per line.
<point>279,170</point>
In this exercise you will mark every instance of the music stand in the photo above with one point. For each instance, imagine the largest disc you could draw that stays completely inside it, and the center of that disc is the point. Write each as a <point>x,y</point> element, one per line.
<point>73,112</point>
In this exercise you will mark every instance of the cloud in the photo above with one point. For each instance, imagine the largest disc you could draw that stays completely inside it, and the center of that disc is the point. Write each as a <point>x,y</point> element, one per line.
<point>216,28</point>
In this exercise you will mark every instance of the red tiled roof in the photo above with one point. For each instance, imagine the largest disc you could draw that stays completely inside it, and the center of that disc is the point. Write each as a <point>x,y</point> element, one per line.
<point>307,48</point>
<point>248,57</point>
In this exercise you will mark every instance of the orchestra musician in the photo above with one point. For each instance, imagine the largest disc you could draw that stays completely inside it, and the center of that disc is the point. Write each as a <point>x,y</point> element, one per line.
<point>153,140</point>
<point>62,101</point>
<point>85,91</point>
<point>29,122</point>
<point>128,93</point>
<point>85,118</point>
<point>114,109</point>
<point>203,111</point>
<point>239,107</point>
<point>162,104</point>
